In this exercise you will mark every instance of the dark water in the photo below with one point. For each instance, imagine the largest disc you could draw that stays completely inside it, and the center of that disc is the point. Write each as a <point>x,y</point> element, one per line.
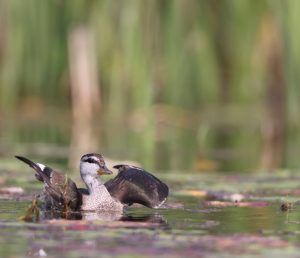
<point>188,228</point>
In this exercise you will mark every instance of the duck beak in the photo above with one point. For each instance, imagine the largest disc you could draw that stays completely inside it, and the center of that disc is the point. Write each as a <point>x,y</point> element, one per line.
<point>104,171</point>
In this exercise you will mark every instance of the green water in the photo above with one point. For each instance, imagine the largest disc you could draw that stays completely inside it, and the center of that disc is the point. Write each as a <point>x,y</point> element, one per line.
<point>186,227</point>
<point>193,228</point>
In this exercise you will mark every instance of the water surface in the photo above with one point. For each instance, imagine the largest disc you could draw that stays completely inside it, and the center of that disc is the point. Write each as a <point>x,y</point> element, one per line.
<point>187,226</point>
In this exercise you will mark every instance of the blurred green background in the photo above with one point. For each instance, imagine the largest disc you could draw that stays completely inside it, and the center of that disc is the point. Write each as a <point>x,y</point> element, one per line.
<point>198,85</point>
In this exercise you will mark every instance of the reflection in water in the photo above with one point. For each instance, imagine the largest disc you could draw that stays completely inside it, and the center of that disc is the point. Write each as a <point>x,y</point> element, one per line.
<point>142,231</point>
<point>154,218</point>
<point>102,215</point>
<point>150,217</point>
<point>54,214</point>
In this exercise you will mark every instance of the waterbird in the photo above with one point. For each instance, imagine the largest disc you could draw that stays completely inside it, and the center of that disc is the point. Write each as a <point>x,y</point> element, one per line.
<point>131,185</point>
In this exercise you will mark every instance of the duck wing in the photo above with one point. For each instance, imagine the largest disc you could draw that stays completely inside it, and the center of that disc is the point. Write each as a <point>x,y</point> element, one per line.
<point>57,186</point>
<point>135,185</point>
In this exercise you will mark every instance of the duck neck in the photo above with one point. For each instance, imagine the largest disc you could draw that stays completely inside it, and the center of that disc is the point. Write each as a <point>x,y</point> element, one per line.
<point>93,184</point>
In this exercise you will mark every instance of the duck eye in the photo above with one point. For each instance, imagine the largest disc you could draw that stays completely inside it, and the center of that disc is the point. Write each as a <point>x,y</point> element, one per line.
<point>90,160</point>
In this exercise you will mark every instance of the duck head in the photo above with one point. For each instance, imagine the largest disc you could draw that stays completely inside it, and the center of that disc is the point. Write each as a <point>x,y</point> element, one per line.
<point>93,165</point>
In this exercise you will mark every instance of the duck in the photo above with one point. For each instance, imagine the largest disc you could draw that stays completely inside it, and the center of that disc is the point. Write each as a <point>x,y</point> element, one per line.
<point>131,185</point>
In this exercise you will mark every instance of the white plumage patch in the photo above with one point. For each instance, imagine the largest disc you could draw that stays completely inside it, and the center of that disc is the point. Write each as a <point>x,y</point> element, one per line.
<point>160,204</point>
<point>88,168</point>
<point>41,166</point>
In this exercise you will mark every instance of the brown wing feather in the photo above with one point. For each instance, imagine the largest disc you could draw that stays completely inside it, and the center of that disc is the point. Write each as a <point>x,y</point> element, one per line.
<point>135,185</point>
<point>59,187</point>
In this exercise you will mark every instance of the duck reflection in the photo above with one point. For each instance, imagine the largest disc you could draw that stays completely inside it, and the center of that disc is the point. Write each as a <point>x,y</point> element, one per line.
<point>102,215</point>
<point>138,216</point>
<point>150,218</point>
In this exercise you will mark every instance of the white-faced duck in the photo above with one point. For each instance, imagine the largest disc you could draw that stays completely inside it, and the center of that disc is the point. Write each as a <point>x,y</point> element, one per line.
<point>131,185</point>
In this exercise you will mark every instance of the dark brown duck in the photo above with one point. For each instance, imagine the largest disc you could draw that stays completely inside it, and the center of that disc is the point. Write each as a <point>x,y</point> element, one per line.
<point>131,185</point>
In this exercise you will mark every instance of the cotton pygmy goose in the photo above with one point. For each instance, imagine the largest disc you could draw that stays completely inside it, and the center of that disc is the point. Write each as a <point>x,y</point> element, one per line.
<point>131,185</point>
